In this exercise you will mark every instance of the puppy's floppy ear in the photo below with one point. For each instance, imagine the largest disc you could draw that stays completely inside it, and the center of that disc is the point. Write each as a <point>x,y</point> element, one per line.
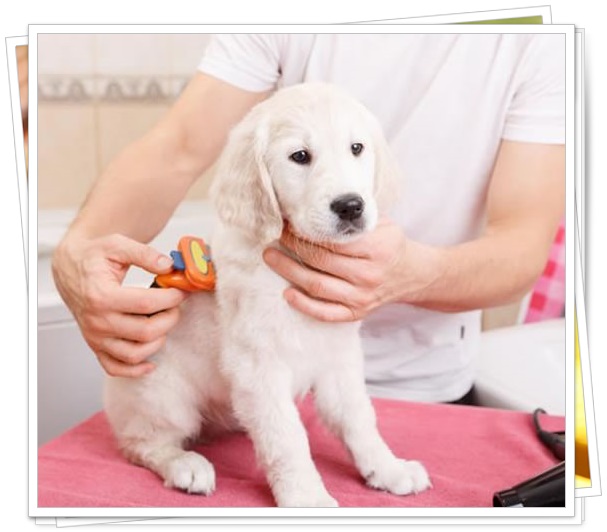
<point>388,174</point>
<point>242,190</point>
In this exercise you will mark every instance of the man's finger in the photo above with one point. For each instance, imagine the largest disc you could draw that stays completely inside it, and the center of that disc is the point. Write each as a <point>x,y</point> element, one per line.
<point>146,301</point>
<point>316,284</point>
<point>131,353</point>
<point>320,310</point>
<point>136,328</point>
<point>324,259</point>
<point>115,368</point>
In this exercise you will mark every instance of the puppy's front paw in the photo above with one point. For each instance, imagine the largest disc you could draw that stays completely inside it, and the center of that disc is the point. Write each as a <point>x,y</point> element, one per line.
<point>191,472</point>
<point>400,477</point>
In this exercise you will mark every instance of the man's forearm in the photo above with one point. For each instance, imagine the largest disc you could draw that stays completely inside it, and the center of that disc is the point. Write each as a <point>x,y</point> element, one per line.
<point>490,271</point>
<point>525,202</point>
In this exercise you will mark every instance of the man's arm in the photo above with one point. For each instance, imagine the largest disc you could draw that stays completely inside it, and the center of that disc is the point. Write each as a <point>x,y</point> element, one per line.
<point>129,204</point>
<point>524,205</point>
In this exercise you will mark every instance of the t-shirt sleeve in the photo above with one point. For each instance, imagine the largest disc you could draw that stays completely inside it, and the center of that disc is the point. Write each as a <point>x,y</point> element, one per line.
<point>537,109</point>
<point>248,61</point>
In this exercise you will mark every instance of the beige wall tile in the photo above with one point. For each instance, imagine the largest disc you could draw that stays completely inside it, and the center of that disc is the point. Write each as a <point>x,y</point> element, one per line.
<point>67,160</point>
<point>122,123</point>
<point>200,189</point>
<point>76,142</point>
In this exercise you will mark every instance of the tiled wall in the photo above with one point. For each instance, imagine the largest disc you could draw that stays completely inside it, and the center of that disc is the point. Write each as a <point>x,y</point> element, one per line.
<point>96,94</point>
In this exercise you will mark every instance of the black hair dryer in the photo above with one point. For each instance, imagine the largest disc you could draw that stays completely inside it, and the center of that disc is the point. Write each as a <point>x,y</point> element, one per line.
<point>545,489</point>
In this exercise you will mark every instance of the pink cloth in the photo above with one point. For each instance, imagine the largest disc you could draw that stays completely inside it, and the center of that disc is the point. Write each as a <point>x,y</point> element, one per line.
<point>548,295</point>
<point>470,452</point>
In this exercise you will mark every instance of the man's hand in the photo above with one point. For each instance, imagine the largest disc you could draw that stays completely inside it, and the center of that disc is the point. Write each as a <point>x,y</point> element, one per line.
<point>113,318</point>
<point>345,282</point>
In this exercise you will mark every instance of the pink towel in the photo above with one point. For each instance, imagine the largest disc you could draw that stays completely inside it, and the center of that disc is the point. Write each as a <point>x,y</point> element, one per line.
<point>470,452</point>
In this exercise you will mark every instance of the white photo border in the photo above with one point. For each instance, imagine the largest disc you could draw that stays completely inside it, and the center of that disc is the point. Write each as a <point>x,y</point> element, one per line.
<point>568,510</point>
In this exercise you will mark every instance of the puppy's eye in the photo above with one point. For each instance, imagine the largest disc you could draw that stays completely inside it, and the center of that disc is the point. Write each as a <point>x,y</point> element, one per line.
<point>301,157</point>
<point>357,148</point>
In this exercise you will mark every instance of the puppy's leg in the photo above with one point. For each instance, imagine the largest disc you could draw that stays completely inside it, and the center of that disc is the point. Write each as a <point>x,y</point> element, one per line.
<point>264,405</point>
<point>181,469</point>
<point>152,426</point>
<point>343,403</point>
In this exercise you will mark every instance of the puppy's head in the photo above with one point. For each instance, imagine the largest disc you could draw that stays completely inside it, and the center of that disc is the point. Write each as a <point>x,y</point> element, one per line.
<point>312,155</point>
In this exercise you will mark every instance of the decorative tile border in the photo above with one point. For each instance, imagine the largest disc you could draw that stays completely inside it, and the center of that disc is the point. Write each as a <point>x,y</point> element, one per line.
<point>117,89</point>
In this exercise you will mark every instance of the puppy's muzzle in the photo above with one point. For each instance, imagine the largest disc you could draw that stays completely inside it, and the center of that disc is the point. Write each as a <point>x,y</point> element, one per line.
<point>349,207</point>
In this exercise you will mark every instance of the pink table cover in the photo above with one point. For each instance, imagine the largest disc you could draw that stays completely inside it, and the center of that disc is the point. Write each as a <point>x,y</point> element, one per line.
<point>470,453</point>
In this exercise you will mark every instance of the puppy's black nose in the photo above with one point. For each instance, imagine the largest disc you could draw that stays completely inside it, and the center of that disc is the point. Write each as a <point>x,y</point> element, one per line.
<point>348,207</point>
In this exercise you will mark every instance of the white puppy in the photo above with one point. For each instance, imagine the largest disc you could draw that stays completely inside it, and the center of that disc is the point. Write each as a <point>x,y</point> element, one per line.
<point>315,157</point>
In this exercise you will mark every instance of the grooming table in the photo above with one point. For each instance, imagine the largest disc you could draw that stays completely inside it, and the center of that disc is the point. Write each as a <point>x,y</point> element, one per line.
<point>469,452</point>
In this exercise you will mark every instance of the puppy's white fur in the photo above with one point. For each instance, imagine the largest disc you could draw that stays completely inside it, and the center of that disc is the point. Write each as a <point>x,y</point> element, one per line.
<point>238,358</point>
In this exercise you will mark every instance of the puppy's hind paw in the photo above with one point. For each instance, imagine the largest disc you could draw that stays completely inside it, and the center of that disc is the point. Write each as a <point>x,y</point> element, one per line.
<point>400,477</point>
<point>191,472</point>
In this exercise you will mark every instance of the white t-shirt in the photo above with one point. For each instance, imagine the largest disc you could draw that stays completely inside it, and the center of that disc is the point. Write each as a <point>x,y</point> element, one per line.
<point>445,101</point>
